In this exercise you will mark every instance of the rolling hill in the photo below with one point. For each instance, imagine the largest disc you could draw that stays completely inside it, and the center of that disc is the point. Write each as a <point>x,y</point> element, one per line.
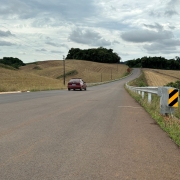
<point>44,75</point>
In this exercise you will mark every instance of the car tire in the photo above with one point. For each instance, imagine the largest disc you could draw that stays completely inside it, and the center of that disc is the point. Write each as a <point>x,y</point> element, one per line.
<point>80,89</point>
<point>85,89</point>
<point>69,89</point>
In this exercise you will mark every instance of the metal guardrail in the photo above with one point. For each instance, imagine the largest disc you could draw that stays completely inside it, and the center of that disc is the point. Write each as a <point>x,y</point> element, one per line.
<point>148,89</point>
<point>167,94</point>
<point>142,90</point>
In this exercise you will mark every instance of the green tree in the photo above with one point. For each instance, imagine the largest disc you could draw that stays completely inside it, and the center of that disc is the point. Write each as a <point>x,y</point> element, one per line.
<point>14,62</point>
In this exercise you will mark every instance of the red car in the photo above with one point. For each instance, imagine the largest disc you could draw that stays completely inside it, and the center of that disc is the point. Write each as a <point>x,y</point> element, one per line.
<point>76,83</point>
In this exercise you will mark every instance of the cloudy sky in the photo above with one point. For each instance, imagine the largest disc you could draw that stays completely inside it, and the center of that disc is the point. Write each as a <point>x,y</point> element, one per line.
<point>36,30</point>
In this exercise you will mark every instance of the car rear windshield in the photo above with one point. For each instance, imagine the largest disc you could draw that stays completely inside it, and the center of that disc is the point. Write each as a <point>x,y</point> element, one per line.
<point>74,80</point>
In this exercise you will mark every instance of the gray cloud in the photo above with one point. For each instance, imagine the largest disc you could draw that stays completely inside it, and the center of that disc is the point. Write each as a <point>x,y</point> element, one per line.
<point>52,44</point>
<point>170,13</point>
<point>57,45</point>
<point>165,46</point>
<point>157,26</point>
<point>5,43</point>
<point>41,50</point>
<point>115,42</point>
<point>154,13</point>
<point>157,48</point>
<point>169,10</point>
<point>160,41</point>
<point>5,33</point>
<point>172,27</point>
<point>17,8</point>
<point>88,37</point>
<point>139,36</point>
<point>69,9</point>
<point>58,52</point>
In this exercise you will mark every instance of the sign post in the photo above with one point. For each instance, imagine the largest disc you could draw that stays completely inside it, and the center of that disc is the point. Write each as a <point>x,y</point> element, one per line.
<point>169,98</point>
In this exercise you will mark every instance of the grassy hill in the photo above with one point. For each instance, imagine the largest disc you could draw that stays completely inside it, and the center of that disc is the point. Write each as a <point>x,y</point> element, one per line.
<point>44,75</point>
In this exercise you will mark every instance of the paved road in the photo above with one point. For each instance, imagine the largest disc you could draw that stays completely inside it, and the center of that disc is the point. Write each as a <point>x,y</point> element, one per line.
<point>98,134</point>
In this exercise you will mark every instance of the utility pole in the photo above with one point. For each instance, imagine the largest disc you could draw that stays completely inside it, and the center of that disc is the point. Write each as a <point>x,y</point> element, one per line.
<point>64,70</point>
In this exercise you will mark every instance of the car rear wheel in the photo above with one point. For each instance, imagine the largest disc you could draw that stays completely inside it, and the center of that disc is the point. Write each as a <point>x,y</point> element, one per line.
<point>69,89</point>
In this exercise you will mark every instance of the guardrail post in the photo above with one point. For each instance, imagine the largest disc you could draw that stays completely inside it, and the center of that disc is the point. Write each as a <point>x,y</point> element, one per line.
<point>143,94</point>
<point>168,99</point>
<point>149,98</point>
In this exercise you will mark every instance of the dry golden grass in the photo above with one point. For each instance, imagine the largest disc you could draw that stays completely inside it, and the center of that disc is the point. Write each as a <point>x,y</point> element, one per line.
<point>88,70</point>
<point>156,77</point>
<point>15,80</point>
<point>43,75</point>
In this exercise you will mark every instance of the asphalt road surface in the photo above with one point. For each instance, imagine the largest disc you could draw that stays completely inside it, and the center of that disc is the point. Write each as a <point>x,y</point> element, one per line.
<point>98,134</point>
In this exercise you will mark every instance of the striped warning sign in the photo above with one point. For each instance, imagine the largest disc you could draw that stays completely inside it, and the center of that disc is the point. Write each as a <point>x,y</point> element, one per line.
<point>173,97</point>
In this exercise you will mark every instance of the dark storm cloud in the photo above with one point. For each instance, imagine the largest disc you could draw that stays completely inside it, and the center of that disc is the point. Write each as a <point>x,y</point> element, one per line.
<point>88,37</point>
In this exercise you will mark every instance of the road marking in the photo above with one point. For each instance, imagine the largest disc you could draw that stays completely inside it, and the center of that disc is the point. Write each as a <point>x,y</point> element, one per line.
<point>129,107</point>
<point>10,92</point>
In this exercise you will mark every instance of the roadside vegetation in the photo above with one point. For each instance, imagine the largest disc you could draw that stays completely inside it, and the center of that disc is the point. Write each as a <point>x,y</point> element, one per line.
<point>170,124</point>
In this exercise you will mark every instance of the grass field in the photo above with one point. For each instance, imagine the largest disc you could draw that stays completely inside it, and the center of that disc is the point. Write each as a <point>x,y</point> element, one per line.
<point>48,75</point>
<point>156,77</point>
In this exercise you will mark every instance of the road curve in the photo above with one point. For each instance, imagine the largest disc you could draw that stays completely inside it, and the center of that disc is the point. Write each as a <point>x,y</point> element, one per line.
<point>98,134</point>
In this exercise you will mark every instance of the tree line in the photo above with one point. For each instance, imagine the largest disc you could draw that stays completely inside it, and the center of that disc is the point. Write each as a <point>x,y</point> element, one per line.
<point>10,61</point>
<point>155,63</point>
<point>100,54</point>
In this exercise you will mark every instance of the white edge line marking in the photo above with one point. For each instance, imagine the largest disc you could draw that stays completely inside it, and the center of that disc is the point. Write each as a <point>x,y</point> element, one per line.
<point>129,107</point>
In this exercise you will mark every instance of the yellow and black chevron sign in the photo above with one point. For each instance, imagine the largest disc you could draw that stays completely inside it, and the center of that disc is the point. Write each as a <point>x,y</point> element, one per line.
<point>173,97</point>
